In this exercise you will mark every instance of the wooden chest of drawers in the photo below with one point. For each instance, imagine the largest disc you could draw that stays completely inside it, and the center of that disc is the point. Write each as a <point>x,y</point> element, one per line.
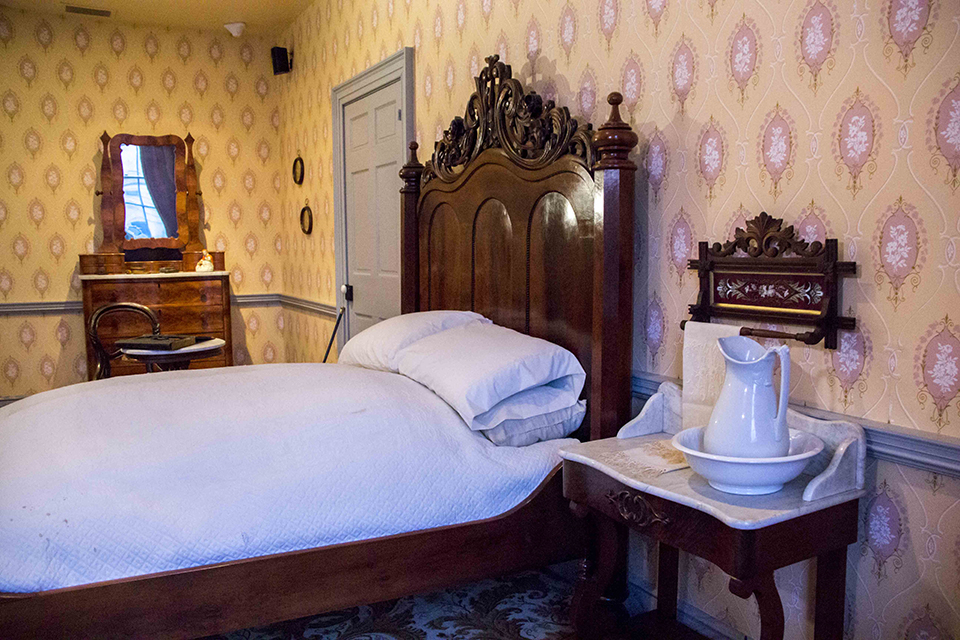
<point>186,302</point>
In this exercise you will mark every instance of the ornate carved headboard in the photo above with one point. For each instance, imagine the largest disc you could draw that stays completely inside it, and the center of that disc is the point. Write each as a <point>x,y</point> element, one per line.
<point>526,216</point>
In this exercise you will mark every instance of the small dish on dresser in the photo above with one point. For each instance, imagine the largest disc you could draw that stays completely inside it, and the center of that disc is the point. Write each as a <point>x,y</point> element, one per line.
<point>748,476</point>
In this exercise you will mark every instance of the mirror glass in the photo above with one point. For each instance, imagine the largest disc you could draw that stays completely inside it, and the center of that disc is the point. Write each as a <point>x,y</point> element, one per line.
<point>149,191</point>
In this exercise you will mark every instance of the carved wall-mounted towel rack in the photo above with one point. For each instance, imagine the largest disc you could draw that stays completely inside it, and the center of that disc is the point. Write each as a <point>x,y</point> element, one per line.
<point>770,274</point>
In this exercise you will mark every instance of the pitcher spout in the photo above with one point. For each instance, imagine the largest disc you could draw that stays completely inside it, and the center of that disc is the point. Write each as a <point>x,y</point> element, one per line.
<point>741,350</point>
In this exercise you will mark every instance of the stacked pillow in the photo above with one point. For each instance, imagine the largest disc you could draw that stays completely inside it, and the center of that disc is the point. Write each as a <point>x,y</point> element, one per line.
<point>513,388</point>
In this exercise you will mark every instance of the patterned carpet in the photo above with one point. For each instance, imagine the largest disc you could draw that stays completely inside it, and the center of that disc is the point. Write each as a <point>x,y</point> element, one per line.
<point>528,606</point>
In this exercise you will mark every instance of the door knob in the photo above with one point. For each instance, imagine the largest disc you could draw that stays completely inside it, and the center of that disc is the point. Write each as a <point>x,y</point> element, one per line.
<point>347,291</point>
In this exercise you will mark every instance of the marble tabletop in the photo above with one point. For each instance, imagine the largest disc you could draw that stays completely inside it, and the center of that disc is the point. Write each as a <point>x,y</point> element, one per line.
<point>686,487</point>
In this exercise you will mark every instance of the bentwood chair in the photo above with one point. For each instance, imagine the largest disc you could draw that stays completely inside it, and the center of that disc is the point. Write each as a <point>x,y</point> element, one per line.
<point>102,355</point>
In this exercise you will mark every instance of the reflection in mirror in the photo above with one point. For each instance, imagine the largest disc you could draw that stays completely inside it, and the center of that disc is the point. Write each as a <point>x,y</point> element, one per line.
<point>149,191</point>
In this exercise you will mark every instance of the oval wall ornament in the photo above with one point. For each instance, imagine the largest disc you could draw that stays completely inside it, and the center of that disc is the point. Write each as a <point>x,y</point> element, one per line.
<point>306,219</point>
<point>298,170</point>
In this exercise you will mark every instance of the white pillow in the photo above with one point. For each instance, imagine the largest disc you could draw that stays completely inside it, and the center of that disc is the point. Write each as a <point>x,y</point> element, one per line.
<point>518,432</point>
<point>378,346</point>
<point>475,367</point>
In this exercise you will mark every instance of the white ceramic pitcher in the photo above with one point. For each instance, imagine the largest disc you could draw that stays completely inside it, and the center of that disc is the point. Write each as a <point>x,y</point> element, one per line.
<point>747,421</point>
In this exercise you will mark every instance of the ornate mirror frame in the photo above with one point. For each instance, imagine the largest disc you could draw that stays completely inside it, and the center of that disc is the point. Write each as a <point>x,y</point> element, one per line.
<point>113,210</point>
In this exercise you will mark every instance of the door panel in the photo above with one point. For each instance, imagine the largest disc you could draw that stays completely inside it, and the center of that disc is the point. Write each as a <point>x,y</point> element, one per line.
<point>373,150</point>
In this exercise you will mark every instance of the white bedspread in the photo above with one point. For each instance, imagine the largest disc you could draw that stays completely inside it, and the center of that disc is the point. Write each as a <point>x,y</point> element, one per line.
<point>141,474</point>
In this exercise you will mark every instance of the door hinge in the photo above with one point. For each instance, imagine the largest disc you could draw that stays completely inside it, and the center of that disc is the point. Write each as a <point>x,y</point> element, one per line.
<point>399,114</point>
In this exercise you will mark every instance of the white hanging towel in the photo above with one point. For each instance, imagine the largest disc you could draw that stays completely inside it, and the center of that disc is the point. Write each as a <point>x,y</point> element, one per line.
<point>703,370</point>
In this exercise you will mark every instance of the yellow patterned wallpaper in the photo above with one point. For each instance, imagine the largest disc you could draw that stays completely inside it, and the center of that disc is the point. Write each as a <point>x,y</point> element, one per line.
<point>841,117</point>
<point>63,81</point>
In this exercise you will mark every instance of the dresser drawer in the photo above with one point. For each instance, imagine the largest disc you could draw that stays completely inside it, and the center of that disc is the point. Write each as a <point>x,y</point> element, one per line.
<point>190,319</point>
<point>190,304</point>
<point>157,292</point>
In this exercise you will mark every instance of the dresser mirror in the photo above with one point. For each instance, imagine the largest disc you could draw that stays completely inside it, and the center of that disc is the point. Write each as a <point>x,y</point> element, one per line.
<point>149,191</point>
<point>149,196</point>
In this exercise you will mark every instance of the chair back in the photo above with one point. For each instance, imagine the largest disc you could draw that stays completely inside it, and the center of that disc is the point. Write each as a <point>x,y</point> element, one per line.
<point>102,355</point>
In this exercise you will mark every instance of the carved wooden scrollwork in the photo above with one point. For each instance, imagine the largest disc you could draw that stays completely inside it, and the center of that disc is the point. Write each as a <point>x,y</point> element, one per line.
<point>765,236</point>
<point>633,508</point>
<point>768,274</point>
<point>500,114</point>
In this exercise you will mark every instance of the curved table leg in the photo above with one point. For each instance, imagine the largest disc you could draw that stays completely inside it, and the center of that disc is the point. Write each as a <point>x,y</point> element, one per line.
<point>768,599</point>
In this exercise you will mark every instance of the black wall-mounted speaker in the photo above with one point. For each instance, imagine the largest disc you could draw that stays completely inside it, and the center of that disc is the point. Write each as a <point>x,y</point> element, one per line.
<point>282,61</point>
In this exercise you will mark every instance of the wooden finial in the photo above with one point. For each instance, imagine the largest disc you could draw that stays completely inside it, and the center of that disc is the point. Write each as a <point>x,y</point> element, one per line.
<point>411,171</point>
<point>615,99</point>
<point>615,139</point>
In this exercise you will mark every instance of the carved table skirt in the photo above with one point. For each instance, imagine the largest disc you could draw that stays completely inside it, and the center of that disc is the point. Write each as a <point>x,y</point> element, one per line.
<point>748,556</point>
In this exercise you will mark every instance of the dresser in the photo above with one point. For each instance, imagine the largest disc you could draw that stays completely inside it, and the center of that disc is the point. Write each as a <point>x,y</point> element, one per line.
<point>187,302</point>
<point>151,244</point>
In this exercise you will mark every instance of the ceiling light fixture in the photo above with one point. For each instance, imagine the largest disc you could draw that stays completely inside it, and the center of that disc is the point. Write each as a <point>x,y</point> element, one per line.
<point>235,28</point>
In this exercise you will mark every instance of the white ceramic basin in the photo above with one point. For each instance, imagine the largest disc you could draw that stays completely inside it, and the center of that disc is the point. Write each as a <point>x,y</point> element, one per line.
<point>748,476</point>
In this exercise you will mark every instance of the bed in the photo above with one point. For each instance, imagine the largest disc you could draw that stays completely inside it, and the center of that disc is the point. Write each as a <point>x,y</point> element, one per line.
<point>522,215</point>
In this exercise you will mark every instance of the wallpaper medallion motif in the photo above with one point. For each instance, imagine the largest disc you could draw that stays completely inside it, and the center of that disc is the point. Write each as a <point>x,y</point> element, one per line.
<point>937,370</point>
<point>712,157</point>
<point>655,11</point>
<point>655,327</point>
<point>900,249</point>
<point>745,56</point>
<point>656,163</point>
<point>908,23</point>
<point>817,41</point>
<point>776,149</point>
<point>885,530</point>
<point>943,125</point>
<point>680,244</point>
<point>856,140</point>
<point>684,71</point>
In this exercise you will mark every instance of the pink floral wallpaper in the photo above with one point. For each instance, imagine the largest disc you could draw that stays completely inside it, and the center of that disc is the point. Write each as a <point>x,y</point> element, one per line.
<point>841,117</point>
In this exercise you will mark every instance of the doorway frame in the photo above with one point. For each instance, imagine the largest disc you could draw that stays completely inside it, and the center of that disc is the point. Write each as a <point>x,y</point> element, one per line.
<point>397,67</point>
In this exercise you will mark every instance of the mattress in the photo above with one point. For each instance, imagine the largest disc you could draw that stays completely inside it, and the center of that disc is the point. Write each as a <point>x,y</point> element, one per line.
<point>142,474</point>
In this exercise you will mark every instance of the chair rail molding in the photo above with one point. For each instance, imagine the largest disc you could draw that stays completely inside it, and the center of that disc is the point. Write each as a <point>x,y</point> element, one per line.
<point>66,307</point>
<point>925,451</point>
<point>308,306</point>
<point>41,308</point>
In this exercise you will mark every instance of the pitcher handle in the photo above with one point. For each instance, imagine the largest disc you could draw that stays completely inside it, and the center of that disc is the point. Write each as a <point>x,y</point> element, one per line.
<point>784,352</point>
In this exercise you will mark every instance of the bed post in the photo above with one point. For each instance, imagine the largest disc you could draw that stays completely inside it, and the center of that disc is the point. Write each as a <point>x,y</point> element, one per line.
<point>409,233</point>
<point>613,275</point>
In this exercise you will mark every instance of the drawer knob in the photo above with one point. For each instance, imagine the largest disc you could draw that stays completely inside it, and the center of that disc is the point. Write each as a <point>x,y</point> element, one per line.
<point>633,508</point>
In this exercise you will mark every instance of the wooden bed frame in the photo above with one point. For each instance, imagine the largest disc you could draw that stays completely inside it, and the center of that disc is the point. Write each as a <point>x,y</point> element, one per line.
<point>522,215</point>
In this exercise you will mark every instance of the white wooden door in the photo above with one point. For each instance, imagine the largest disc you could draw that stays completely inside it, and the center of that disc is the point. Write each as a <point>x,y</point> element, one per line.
<point>373,155</point>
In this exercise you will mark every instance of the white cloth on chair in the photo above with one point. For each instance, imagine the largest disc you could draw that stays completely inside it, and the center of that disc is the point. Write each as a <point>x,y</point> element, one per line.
<point>703,370</point>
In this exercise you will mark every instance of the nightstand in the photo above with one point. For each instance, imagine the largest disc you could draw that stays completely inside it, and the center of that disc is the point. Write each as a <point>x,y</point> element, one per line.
<point>748,537</point>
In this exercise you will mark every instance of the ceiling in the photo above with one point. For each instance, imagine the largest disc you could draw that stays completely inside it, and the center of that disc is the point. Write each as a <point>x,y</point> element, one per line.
<point>262,16</point>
